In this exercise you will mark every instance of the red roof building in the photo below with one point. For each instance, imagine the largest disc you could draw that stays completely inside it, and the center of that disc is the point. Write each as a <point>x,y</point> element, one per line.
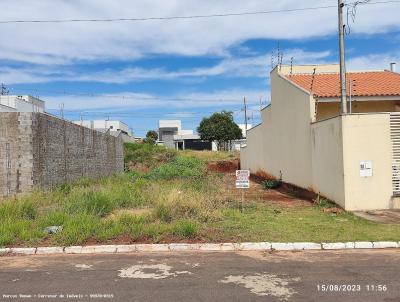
<point>327,85</point>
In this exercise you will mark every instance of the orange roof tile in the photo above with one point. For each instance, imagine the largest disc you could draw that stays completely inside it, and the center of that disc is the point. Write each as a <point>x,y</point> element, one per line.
<point>374,83</point>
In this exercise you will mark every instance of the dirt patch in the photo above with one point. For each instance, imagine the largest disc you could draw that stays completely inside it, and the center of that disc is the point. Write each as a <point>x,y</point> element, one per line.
<point>278,197</point>
<point>285,189</point>
<point>224,166</point>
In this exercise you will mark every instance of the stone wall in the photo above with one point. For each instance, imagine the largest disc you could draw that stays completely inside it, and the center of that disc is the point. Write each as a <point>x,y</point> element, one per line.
<point>39,150</point>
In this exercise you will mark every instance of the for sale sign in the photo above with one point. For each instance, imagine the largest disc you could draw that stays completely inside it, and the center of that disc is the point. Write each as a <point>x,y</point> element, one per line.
<point>242,179</point>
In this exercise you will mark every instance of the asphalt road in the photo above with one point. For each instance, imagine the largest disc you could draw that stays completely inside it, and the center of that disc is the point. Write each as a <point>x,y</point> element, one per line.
<point>246,276</point>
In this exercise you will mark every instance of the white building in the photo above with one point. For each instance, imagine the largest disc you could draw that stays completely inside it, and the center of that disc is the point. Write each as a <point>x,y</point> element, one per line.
<point>244,130</point>
<point>115,128</point>
<point>169,130</point>
<point>21,103</point>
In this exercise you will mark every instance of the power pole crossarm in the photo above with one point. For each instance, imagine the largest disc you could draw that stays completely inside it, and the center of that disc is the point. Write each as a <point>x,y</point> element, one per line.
<point>343,96</point>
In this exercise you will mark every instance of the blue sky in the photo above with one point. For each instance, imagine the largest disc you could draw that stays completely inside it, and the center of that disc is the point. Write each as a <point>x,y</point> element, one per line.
<point>140,72</point>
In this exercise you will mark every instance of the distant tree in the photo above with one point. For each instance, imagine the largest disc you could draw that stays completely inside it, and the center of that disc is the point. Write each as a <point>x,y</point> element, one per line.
<point>221,128</point>
<point>151,137</point>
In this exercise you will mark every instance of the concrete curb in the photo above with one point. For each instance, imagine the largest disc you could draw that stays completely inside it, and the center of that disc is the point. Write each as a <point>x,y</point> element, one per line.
<point>206,247</point>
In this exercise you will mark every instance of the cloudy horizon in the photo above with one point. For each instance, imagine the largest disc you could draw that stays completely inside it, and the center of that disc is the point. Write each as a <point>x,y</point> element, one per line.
<point>140,72</point>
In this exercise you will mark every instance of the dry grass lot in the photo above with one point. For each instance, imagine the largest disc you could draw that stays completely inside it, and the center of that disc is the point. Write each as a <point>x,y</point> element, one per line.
<point>166,196</point>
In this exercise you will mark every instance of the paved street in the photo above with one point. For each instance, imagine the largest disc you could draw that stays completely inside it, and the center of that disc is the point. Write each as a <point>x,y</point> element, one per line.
<point>244,276</point>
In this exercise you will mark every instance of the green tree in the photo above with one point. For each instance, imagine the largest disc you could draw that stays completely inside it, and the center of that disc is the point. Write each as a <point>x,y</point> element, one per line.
<point>151,137</point>
<point>221,128</point>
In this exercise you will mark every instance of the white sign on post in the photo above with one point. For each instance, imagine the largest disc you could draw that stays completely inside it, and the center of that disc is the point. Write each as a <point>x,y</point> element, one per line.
<point>242,179</point>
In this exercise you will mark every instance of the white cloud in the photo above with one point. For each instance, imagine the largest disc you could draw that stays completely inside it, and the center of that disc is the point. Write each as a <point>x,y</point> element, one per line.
<point>133,101</point>
<point>68,42</point>
<point>373,61</point>
<point>255,66</point>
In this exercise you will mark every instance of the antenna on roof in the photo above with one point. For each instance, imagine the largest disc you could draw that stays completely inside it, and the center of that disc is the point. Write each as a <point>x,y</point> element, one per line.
<point>4,90</point>
<point>291,65</point>
<point>312,79</point>
<point>272,59</point>
<point>280,56</point>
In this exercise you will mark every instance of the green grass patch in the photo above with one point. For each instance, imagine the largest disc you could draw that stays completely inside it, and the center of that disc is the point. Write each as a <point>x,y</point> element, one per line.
<point>147,155</point>
<point>179,167</point>
<point>176,199</point>
<point>185,229</point>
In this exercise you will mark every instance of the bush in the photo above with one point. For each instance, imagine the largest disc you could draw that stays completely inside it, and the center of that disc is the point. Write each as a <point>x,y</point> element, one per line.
<point>163,213</point>
<point>180,167</point>
<point>321,202</point>
<point>271,184</point>
<point>146,154</point>
<point>185,229</point>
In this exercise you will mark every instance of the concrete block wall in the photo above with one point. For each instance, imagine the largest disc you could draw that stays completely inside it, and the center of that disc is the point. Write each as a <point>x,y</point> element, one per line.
<point>38,150</point>
<point>16,156</point>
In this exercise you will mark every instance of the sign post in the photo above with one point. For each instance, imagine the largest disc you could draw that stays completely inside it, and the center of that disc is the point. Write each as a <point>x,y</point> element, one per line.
<point>242,182</point>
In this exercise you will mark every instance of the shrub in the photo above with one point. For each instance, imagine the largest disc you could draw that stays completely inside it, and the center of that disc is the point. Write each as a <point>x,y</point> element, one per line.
<point>321,202</point>
<point>271,184</point>
<point>180,167</point>
<point>163,213</point>
<point>185,229</point>
<point>146,154</point>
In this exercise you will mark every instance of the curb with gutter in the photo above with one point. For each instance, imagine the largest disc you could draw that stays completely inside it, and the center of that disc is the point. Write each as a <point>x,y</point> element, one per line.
<point>206,247</point>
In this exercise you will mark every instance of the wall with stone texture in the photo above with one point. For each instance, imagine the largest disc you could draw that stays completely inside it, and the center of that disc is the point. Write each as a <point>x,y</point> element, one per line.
<point>39,150</point>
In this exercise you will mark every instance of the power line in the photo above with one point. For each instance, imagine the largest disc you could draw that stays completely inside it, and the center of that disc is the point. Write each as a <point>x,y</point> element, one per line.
<point>190,17</point>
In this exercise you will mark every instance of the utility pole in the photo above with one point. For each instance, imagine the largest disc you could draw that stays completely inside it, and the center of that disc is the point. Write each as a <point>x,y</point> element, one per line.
<point>245,115</point>
<point>343,96</point>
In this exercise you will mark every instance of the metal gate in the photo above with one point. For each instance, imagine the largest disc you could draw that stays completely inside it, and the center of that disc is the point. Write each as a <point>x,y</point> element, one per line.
<point>395,137</point>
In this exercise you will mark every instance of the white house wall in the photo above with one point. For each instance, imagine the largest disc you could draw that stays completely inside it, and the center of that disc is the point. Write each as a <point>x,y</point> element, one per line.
<point>283,140</point>
<point>327,159</point>
<point>366,137</point>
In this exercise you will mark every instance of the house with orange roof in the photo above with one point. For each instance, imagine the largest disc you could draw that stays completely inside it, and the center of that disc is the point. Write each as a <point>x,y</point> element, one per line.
<point>352,159</point>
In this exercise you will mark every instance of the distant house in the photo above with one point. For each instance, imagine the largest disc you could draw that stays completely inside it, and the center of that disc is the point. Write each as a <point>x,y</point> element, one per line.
<point>115,128</point>
<point>171,135</point>
<point>238,144</point>
<point>352,159</point>
<point>21,103</point>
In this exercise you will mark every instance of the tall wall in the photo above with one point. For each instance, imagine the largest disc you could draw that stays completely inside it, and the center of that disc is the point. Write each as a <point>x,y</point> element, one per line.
<point>284,134</point>
<point>366,137</point>
<point>327,159</point>
<point>38,150</point>
<point>339,146</point>
<point>324,156</point>
<point>16,156</point>
<point>252,156</point>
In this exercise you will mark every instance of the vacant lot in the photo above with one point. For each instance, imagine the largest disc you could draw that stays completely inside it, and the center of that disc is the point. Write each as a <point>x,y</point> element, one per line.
<point>166,196</point>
